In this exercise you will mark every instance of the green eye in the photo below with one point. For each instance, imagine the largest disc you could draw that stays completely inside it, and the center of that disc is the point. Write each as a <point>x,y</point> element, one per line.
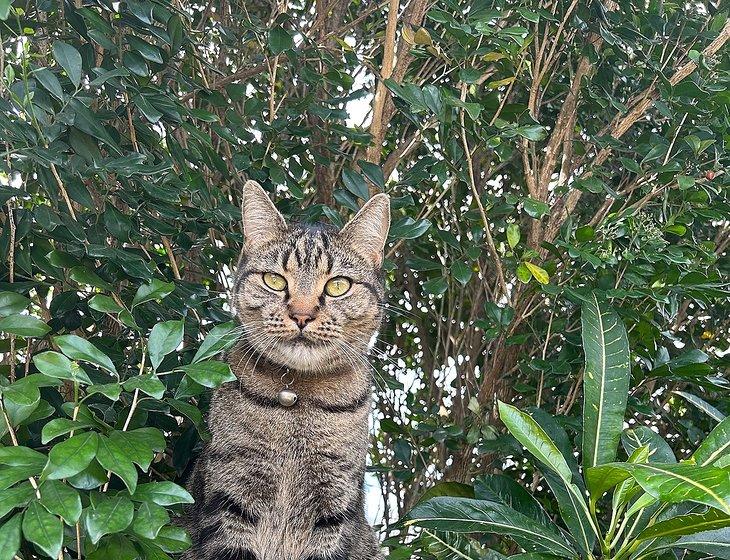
<point>275,281</point>
<point>337,286</point>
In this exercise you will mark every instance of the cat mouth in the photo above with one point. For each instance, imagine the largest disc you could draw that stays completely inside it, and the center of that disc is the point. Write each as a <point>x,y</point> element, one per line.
<point>302,339</point>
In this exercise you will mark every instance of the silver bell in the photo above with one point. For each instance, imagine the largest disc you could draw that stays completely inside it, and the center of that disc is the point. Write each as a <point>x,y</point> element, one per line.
<point>287,398</point>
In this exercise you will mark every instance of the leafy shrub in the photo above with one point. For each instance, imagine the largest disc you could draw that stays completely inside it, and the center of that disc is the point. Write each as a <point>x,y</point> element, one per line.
<point>657,503</point>
<point>534,156</point>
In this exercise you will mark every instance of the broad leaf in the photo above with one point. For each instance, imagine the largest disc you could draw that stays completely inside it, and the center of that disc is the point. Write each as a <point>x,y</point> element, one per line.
<point>686,525</point>
<point>24,325</point>
<point>715,543</point>
<point>43,529</point>
<point>162,494</point>
<point>531,435</point>
<point>71,456</point>
<point>78,348</point>
<point>113,458</point>
<point>112,515</point>
<point>10,537</point>
<point>464,515</point>
<point>164,338</point>
<point>209,373</point>
<point>605,381</point>
<point>69,59</point>
<point>714,446</point>
<point>61,499</point>
<point>220,338</point>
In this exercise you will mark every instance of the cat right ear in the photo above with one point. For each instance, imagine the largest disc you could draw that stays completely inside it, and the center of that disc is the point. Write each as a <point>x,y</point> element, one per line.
<point>262,222</point>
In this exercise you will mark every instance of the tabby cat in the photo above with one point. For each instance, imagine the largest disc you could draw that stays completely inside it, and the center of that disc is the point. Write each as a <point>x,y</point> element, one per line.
<point>282,477</point>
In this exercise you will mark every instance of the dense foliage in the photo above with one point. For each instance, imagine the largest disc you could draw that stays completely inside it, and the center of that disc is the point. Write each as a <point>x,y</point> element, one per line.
<point>538,154</point>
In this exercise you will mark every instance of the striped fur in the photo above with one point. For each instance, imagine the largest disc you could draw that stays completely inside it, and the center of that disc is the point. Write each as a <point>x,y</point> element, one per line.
<point>279,483</point>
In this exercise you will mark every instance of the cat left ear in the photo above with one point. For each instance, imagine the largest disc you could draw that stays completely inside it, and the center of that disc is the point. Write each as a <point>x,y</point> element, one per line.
<point>367,232</point>
<point>262,222</point>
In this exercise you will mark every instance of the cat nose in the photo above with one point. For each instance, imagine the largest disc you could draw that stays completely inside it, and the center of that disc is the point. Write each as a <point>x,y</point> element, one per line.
<point>302,315</point>
<point>301,319</point>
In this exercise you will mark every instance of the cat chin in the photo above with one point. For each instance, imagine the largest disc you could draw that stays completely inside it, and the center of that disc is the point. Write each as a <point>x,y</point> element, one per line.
<point>306,356</point>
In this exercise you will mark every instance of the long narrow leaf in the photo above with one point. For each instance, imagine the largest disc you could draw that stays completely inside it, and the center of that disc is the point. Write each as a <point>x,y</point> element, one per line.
<point>715,445</point>
<point>465,515</point>
<point>605,381</point>
<point>531,435</point>
<point>669,483</point>
<point>716,543</point>
<point>687,525</point>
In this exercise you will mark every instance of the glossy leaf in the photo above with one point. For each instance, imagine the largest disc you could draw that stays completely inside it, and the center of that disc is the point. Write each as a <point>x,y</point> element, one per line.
<point>605,381</point>
<point>43,529</point>
<point>468,516</point>
<point>111,515</point>
<point>71,456</point>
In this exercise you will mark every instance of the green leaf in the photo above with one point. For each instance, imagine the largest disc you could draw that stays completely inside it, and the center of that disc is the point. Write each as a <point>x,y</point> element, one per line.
<point>113,458</point>
<point>149,384</point>
<point>280,40</point>
<point>62,500</point>
<point>69,59</point>
<point>535,208</point>
<point>686,525</point>
<point>104,304</point>
<point>436,286</point>
<point>673,483</point>
<point>465,515</point>
<point>685,182</point>
<point>355,183</point>
<point>54,364</point>
<point>531,435</point>
<point>173,539</point>
<point>209,373</point>
<point>24,325</point>
<point>513,235</point>
<point>373,172</point>
<point>82,275</point>
<point>705,407</point>
<point>19,456</point>
<point>538,273</point>
<point>502,489</point>
<point>155,289</point>
<point>20,400</point>
<point>111,391</point>
<point>220,338</point>
<point>461,272</point>
<point>61,426</point>
<point>110,516</point>
<point>49,81</point>
<point>714,446</point>
<point>715,543</point>
<point>12,303</point>
<point>523,273</point>
<point>140,445</point>
<point>43,529</point>
<point>533,132</point>
<point>643,436</point>
<point>150,518</point>
<point>5,7</point>
<point>71,456</point>
<point>10,530</point>
<point>605,381</point>
<point>15,497</point>
<point>162,494</point>
<point>78,348</point>
<point>164,338</point>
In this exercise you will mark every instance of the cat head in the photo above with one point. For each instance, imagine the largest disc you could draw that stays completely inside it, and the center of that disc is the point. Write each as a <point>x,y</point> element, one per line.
<point>310,297</point>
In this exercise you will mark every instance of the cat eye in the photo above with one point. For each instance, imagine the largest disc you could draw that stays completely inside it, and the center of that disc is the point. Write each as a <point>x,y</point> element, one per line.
<point>337,286</point>
<point>275,281</point>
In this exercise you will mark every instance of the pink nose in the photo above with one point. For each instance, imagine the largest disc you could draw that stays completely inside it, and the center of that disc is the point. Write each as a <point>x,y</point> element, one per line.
<point>302,319</point>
